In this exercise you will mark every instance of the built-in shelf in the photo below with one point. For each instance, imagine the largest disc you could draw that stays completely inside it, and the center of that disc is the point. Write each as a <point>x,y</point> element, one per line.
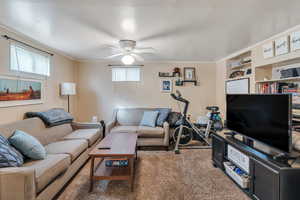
<point>296,119</point>
<point>280,80</point>
<point>241,66</point>
<point>238,78</point>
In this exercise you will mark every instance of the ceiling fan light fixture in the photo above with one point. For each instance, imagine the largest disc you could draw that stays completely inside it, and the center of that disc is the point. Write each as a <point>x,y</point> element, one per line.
<point>128,60</point>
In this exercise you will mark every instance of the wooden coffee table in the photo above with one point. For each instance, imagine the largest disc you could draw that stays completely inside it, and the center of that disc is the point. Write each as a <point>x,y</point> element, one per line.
<point>114,146</point>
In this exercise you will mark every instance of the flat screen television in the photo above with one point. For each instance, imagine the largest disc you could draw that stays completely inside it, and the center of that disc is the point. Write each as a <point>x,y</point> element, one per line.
<point>265,118</point>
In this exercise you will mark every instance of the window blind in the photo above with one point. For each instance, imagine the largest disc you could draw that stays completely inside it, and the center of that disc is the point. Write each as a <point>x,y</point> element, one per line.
<point>125,74</point>
<point>25,59</point>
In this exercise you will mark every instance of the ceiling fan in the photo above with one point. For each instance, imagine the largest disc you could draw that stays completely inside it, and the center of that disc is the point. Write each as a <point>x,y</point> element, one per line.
<point>129,52</point>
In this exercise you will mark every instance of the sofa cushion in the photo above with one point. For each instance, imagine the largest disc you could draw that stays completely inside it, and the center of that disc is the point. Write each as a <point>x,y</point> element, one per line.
<point>72,147</point>
<point>28,145</point>
<point>90,135</point>
<point>149,118</point>
<point>36,128</point>
<point>48,169</point>
<point>150,132</point>
<point>162,116</point>
<point>9,156</point>
<point>131,116</point>
<point>124,129</point>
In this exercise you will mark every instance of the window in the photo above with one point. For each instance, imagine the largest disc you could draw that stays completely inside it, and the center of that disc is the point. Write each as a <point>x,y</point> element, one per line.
<point>126,74</point>
<point>26,59</point>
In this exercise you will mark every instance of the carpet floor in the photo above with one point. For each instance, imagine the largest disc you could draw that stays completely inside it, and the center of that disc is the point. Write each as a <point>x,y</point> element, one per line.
<point>161,175</point>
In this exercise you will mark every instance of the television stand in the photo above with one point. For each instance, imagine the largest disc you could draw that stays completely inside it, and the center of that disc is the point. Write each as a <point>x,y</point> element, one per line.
<point>230,133</point>
<point>263,177</point>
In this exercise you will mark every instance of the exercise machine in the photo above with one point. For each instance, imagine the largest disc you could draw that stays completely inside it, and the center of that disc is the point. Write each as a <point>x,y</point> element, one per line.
<point>188,131</point>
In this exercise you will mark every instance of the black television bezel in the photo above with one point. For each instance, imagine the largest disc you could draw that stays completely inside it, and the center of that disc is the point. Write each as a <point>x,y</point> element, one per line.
<point>290,135</point>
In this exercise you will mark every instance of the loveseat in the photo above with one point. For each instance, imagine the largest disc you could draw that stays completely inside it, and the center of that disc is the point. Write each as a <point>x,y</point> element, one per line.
<point>127,120</point>
<point>67,148</point>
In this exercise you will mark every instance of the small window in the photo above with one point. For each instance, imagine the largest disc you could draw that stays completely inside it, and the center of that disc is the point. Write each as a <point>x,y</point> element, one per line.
<point>125,74</point>
<point>26,59</point>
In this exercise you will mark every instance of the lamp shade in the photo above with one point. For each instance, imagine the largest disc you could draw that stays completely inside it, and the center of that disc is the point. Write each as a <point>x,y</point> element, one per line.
<point>68,88</point>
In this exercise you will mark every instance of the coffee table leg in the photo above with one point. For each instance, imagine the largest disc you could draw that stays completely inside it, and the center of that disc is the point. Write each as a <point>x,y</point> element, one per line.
<point>136,153</point>
<point>92,174</point>
<point>132,166</point>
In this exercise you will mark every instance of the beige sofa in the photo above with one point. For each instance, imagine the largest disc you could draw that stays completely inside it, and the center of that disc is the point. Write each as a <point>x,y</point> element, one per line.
<point>67,149</point>
<point>127,120</point>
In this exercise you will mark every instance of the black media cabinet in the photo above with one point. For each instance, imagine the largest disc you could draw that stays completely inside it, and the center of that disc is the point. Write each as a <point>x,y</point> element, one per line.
<point>268,179</point>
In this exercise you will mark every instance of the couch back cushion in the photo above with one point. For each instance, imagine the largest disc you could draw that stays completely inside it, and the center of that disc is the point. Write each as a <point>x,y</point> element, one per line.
<point>131,116</point>
<point>36,128</point>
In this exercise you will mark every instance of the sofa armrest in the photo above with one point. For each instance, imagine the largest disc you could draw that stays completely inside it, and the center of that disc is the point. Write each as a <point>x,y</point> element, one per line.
<point>86,125</point>
<point>110,126</point>
<point>167,133</point>
<point>17,183</point>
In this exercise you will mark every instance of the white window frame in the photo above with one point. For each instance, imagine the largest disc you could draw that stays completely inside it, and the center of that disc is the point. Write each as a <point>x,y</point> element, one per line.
<point>35,51</point>
<point>126,80</point>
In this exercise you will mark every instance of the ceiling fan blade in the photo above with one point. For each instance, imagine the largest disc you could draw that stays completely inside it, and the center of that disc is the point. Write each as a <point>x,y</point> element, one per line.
<point>109,46</point>
<point>178,31</point>
<point>146,50</point>
<point>113,56</point>
<point>138,57</point>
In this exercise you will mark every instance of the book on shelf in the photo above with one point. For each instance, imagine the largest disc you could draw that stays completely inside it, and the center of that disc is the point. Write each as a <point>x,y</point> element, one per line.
<point>268,88</point>
<point>279,88</point>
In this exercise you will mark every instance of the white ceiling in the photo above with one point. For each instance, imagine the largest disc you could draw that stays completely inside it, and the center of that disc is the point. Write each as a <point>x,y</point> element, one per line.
<point>180,30</point>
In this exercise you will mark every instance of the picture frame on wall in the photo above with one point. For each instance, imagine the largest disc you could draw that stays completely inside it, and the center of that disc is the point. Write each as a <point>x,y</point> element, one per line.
<point>239,86</point>
<point>189,73</point>
<point>15,91</point>
<point>268,50</point>
<point>282,46</point>
<point>295,41</point>
<point>166,86</point>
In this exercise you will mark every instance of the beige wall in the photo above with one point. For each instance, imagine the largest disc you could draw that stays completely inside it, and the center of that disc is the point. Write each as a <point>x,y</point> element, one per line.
<point>98,95</point>
<point>62,69</point>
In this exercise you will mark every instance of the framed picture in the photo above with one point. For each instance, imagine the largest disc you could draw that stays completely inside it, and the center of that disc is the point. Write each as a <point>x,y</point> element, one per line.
<point>16,91</point>
<point>166,86</point>
<point>189,73</point>
<point>295,41</point>
<point>239,86</point>
<point>281,46</point>
<point>268,50</point>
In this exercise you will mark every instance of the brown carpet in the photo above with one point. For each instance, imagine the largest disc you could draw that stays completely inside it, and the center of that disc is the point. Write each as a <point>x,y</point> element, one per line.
<point>161,176</point>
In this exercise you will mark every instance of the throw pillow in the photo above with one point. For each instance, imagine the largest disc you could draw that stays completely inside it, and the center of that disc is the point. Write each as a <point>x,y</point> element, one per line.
<point>162,116</point>
<point>149,118</point>
<point>174,119</point>
<point>28,145</point>
<point>9,156</point>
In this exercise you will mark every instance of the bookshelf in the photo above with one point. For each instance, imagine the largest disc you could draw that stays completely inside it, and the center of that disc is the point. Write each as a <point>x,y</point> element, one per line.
<point>265,76</point>
<point>268,78</point>
<point>241,65</point>
<point>280,80</point>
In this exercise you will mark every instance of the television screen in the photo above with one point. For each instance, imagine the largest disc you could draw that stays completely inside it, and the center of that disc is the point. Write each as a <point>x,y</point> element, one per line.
<point>265,118</point>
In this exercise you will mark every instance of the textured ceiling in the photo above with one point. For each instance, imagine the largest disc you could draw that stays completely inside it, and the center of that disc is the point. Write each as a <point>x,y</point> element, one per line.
<point>179,30</point>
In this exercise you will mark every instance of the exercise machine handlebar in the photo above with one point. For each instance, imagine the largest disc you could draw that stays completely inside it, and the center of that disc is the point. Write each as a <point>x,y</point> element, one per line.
<point>179,98</point>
